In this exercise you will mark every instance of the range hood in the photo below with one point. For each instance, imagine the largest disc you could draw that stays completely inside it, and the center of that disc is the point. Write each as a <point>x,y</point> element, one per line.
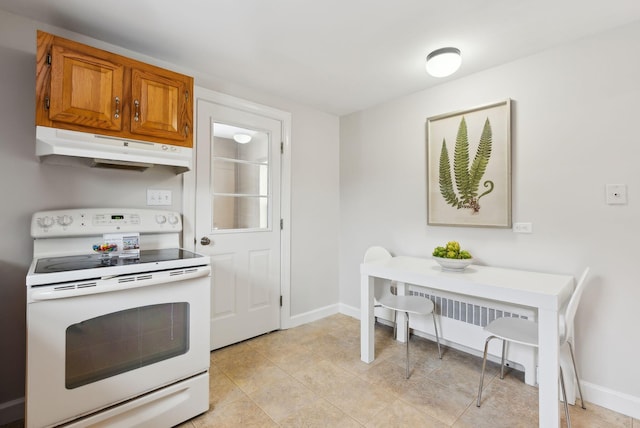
<point>61,146</point>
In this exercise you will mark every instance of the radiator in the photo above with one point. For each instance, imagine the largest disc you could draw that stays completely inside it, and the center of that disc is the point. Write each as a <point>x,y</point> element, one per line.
<point>476,312</point>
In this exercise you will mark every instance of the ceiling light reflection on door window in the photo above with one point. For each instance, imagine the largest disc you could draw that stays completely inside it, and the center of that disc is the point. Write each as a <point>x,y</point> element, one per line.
<point>242,138</point>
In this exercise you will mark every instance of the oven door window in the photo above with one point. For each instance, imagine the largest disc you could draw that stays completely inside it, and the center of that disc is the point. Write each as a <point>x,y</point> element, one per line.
<point>118,342</point>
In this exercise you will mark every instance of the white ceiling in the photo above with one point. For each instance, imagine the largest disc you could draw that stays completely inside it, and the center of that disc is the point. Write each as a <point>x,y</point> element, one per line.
<point>339,56</point>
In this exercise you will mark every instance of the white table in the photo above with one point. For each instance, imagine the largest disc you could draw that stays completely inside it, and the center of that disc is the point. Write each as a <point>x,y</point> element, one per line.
<point>544,292</point>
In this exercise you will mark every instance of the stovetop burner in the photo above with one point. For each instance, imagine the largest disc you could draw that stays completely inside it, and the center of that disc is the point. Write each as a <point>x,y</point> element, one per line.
<point>92,261</point>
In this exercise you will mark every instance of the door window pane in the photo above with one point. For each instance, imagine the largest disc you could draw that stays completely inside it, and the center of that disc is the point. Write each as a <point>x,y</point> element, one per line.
<point>239,212</point>
<point>240,178</point>
<point>118,342</point>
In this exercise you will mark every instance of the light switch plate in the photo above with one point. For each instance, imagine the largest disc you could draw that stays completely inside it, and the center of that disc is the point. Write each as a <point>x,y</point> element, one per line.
<point>616,194</point>
<point>522,228</point>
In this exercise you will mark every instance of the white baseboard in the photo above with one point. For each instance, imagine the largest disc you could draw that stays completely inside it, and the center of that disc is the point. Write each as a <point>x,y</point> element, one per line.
<point>613,400</point>
<point>11,411</point>
<point>311,316</point>
<point>350,311</point>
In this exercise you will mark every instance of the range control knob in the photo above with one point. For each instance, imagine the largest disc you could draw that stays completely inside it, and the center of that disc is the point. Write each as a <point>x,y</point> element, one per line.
<point>65,220</point>
<point>173,219</point>
<point>161,219</point>
<point>46,221</point>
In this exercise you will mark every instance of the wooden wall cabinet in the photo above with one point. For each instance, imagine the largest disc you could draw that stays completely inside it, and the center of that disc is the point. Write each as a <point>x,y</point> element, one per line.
<point>82,88</point>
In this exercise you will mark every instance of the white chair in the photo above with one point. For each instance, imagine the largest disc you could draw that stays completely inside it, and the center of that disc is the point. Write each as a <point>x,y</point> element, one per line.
<point>408,304</point>
<point>525,332</point>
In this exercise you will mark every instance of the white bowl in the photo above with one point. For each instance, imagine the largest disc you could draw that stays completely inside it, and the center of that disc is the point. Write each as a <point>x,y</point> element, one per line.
<point>453,264</point>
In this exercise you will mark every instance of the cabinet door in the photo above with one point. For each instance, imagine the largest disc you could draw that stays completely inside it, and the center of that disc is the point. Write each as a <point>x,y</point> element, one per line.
<point>160,105</point>
<point>85,90</point>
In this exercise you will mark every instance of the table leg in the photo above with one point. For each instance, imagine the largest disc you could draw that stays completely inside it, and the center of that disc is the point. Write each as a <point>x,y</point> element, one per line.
<point>367,319</point>
<point>548,354</point>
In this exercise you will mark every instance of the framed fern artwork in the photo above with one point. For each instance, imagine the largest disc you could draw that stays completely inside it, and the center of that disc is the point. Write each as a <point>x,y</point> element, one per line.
<point>469,167</point>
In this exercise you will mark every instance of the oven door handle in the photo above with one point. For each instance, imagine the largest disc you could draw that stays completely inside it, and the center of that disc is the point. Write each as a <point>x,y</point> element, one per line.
<point>109,284</point>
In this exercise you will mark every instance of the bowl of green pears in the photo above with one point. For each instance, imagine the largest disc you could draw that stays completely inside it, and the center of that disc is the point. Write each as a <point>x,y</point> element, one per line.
<point>452,257</point>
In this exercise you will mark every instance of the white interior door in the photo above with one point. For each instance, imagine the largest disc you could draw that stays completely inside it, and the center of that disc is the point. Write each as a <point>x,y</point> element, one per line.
<point>238,167</point>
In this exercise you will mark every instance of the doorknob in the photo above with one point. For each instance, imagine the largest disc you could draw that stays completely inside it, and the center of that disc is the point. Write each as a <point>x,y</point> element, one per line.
<point>205,241</point>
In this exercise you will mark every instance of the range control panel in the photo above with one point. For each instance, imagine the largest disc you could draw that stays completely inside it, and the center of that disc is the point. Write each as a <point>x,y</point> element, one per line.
<point>96,221</point>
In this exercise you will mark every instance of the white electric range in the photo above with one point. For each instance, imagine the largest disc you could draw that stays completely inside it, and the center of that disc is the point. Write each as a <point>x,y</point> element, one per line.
<point>112,340</point>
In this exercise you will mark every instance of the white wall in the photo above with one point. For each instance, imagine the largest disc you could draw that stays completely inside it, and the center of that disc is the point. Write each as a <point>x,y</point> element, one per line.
<point>574,129</point>
<point>28,186</point>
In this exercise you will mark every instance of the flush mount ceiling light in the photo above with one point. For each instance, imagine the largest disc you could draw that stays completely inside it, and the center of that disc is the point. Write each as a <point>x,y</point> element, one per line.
<point>443,62</point>
<point>242,138</point>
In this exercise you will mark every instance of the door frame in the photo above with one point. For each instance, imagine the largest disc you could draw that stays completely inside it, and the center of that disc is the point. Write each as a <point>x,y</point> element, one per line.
<point>189,187</point>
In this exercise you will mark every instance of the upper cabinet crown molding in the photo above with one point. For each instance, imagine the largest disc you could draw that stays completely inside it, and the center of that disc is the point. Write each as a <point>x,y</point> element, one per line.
<point>86,89</point>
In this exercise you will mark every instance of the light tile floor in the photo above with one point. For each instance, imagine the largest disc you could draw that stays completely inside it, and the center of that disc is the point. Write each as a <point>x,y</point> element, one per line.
<point>312,376</point>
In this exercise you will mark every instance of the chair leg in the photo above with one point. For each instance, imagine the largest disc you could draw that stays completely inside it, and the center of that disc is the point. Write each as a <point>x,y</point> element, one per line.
<point>406,326</point>
<point>564,398</point>
<point>435,327</point>
<point>575,371</point>
<point>395,325</point>
<point>502,361</point>
<point>484,363</point>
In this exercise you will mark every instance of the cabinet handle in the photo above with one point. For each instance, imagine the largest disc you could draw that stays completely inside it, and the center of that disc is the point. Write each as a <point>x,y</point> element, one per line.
<point>136,116</point>
<point>186,130</point>
<point>117,114</point>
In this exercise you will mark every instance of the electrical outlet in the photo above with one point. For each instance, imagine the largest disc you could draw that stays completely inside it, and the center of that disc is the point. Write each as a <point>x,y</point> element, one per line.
<point>158,197</point>
<point>522,228</point>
